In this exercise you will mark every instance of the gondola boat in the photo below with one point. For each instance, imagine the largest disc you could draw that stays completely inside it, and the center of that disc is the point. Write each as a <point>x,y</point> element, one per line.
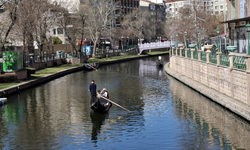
<point>98,105</point>
<point>92,66</point>
<point>159,64</point>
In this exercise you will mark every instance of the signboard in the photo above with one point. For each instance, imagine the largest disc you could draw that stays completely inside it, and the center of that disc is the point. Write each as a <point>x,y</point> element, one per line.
<point>88,49</point>
<point>242,23</point>
<point>2,60</point>
<point>232,25</point>
<point>243,8</point>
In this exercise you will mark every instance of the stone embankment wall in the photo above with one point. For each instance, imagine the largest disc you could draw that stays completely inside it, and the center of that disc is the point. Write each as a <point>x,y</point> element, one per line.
<point>232,82</point>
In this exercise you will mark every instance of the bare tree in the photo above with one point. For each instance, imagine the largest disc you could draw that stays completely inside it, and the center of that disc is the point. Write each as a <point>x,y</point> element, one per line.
<point>7,25</point>
<point>141,24</point>
<point>190,19</point>
<point>99,17</point>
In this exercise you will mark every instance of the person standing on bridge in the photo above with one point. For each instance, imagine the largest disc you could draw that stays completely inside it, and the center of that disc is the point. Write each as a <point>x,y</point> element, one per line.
<point>92,89</point>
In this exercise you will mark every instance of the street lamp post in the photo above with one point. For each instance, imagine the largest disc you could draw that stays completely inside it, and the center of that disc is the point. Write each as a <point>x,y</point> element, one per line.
<point>199,39</point>
<point>185,39</point>
<point>218,35</point>
<point>176,40</point>
<point>248,43</point>
<point>170,38</point>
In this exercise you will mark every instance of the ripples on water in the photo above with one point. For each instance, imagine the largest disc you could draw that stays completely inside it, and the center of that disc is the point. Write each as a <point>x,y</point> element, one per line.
<point>165,114</point>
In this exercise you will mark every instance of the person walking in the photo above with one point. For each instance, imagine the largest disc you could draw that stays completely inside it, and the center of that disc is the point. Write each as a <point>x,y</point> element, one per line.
<point>92,89</point>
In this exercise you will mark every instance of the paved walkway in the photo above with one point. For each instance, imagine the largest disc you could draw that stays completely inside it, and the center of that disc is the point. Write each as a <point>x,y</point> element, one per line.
<point>234,105</point>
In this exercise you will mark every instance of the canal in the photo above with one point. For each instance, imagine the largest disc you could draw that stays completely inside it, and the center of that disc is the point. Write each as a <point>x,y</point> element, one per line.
<point>165,114</point>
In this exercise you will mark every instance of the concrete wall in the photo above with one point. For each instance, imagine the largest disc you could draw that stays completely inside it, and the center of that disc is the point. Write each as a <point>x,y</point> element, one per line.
<point>231,82</point>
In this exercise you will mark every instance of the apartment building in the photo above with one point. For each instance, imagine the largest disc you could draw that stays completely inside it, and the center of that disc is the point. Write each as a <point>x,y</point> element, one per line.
<point>173,6</point>
<point>124,7</point>
<point>219,6</point>
<point>158,15</point>
<point>158,10</point>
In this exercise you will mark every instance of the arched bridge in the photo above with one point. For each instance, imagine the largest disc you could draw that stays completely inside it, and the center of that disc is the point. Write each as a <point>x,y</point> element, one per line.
<point>153,45</point>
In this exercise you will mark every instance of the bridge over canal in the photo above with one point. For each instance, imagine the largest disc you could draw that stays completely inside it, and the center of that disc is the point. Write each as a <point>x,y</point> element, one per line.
<point>154,45</point>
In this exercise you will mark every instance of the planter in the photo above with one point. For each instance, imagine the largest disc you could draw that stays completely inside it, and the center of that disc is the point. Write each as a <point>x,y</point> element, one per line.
<point>208,47</point>
<point>191,45</point>
<point>231,48</point>
<point>180,45</point>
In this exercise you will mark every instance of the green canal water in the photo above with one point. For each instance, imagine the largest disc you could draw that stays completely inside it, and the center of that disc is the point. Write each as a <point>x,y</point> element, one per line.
<point>165,114</point>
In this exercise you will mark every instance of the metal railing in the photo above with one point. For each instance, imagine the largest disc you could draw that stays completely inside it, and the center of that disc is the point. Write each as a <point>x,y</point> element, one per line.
<point>213,58</point>
<point>203,56</point>
<point>239,62</point>
<point>195,53</point>
<point>183,53</point>
<point>189,54</point>
<point>224,60</point>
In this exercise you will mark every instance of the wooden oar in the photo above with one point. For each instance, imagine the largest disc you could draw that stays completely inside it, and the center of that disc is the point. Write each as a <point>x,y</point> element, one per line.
<point>113,102</point>
<point>92,67</point>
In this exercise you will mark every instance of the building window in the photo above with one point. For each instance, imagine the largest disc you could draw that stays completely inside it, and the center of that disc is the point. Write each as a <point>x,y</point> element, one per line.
<point>216,7</point>
<point>221,7</point>
<point>60,30</point>
<point>54,31</point>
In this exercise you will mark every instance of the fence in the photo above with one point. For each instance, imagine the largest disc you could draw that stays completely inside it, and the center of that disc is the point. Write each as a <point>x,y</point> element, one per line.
<point>239,60</point>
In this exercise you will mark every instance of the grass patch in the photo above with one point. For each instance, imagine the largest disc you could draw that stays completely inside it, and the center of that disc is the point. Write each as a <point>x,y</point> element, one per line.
<point>6,85</point>
<point>51,70</point>
<point>40,73</point>
<point>110,58</point>
<point>157,52</point>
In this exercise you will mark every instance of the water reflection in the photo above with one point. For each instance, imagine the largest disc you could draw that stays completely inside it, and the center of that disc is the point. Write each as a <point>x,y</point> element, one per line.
<point>165,114</point>
<point>213,122</point>
<point>97,122</point>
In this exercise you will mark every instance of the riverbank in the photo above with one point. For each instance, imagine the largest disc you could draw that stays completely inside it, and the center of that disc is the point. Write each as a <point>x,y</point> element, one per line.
<point>233,105</point>
<point>48,74</point>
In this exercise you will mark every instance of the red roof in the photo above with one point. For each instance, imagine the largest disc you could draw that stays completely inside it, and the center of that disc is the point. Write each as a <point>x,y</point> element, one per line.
<point>224,34</point>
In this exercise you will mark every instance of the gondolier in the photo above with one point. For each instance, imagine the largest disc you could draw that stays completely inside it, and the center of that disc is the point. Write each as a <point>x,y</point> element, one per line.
<point>159,62</point>
<point>92,89</point>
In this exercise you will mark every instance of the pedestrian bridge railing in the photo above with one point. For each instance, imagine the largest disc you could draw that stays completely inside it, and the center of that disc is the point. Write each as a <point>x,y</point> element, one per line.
<point>153,45</point>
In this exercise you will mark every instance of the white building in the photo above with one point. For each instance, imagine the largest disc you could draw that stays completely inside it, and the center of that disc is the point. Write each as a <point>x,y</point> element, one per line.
<point>71,5</point>
<point>219,6</point>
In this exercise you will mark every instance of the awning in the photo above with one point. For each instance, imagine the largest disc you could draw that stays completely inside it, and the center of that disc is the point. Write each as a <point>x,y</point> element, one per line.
<point>237,20</point>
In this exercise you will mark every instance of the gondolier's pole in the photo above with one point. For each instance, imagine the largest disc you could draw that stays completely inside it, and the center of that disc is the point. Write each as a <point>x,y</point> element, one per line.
<point>92,67</point>
<point>113,102</point>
